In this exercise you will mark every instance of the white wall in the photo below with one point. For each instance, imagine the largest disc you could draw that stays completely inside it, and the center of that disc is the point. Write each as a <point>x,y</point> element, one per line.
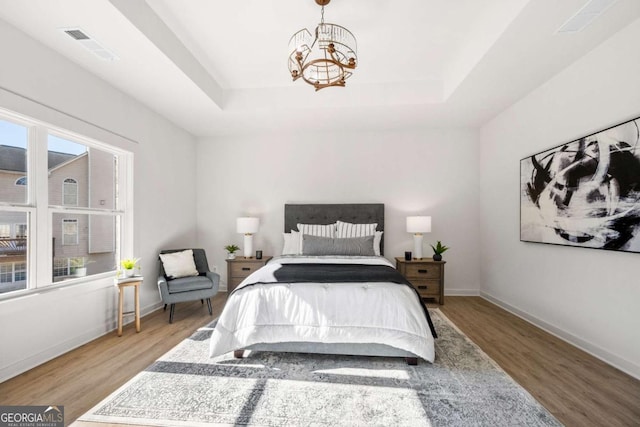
<point>590,297</point>
<point>40,326</point>
<point>433,172</point>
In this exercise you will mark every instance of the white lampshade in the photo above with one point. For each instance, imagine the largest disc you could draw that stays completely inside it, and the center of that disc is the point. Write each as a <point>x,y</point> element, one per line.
<point>247,225</point>
<point>418,224</point>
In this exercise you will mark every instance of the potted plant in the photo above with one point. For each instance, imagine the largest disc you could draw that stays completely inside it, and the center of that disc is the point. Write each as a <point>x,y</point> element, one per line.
<point>438,250</point>
<point>128,264</point>
<point>231,249</point>
<point>79,267</point>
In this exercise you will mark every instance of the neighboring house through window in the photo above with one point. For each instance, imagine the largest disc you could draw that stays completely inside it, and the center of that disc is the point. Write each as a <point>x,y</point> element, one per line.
<point>20,271</point>
<point>6,272</point>
<point>21,231</point>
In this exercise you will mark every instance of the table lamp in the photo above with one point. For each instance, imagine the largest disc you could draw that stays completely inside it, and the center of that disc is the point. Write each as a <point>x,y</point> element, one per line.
<point>418,225</point>
<point>247,226</point>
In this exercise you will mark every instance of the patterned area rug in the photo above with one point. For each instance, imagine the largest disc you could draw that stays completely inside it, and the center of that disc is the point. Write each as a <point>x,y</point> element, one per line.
<point>185,388</point>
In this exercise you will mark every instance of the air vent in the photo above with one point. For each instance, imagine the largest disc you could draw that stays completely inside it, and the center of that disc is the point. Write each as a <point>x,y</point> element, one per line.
<point>585,16</point>
<point>77,34</point>
<point>89,43</point>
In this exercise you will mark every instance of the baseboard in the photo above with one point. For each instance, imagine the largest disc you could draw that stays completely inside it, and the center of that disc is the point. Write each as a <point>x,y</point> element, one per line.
<point>51,353</point>
<point>617,362</point>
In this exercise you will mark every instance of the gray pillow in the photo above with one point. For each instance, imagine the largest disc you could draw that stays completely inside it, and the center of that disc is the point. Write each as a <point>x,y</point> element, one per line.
<point>314,245</point>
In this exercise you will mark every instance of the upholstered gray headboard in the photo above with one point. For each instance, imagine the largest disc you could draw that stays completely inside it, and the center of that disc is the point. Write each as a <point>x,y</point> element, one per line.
<point>358,213</point>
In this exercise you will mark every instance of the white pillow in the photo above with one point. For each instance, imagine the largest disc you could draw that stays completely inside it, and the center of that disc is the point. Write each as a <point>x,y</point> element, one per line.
<point>347,229</point>
<point>328,230</point>
<point>179,264</point>
<point>290,244</point>
<point>376,242</point>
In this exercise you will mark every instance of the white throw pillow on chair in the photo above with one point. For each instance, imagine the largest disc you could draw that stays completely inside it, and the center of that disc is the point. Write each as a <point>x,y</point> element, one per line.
<point>179,264</point>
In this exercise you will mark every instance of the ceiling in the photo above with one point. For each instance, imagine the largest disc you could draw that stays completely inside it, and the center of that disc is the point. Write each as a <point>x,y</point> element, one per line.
<point>220,67</point>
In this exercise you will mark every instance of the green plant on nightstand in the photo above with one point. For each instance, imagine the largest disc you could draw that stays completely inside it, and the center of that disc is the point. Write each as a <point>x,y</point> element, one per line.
<point>231,249</point>
<point>438,250</point>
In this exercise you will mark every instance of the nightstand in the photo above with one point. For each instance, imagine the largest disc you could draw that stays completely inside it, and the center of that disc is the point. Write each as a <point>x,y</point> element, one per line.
<point>240,267</point>
<point>426,275</point>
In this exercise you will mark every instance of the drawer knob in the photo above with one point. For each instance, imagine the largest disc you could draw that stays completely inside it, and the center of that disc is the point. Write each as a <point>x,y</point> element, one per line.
<point>422,287</point>
<point>422,271</point>
<point>246,268</point>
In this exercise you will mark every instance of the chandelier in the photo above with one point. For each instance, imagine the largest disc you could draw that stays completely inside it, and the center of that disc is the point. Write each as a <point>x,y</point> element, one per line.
<point>326,59</point>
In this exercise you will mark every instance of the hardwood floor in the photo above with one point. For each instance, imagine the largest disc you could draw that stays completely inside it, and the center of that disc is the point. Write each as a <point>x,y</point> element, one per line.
<point>577,388</point>
<point>83,377</point>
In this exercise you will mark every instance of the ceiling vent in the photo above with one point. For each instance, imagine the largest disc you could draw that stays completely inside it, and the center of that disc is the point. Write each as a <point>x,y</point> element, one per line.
<point>585,16</point>
<point>90,43</point>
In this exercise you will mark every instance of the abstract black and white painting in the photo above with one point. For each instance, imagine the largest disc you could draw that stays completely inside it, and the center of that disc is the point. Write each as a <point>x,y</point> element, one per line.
<point>586,192</point>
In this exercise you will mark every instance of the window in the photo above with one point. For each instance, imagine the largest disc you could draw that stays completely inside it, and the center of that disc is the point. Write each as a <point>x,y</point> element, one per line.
<point>21,231</point>
<point>69,231</point>
<point>14,142</point>
<point>12,275</point>
<point>63,197</point>
<point>6,272</point>
<point>70,192</point>
<point>66,267</point>
<point>13,249</point>
<point>19,271</point>
<point>60,267</point>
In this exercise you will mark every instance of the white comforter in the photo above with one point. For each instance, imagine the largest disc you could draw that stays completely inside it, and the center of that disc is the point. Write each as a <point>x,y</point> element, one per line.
<point>384,313</point>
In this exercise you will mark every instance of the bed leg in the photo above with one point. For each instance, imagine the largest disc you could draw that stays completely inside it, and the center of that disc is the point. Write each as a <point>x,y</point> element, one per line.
<point>412,361</point>
<point>238,354</point>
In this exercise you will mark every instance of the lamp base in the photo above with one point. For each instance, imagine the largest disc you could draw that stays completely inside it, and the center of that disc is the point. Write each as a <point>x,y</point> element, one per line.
<point>248,245</point>
<point>417,246</point>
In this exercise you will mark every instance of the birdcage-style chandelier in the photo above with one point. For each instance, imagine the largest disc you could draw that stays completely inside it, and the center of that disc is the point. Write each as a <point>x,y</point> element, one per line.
<point>326,59</point>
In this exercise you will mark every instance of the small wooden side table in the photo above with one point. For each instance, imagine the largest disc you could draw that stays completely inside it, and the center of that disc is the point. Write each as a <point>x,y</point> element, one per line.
<point>426,275</point>
<point>122,283</point>
<point>240,267</point>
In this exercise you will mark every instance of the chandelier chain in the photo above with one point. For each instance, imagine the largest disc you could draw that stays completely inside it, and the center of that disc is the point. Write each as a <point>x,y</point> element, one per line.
<point>322,16</point>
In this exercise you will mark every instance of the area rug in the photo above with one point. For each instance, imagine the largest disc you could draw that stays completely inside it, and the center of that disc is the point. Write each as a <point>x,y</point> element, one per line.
<point>463,387</point>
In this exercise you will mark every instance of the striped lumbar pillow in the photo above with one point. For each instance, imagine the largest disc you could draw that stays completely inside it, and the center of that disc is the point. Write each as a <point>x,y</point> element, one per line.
<point>328,230</point>
<point>347,229</point>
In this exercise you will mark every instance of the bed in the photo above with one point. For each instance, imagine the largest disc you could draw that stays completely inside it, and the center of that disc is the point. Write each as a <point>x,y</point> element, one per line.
<point>330,304</point>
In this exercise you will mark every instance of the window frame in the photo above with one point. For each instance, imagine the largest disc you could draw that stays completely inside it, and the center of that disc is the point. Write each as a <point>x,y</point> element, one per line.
<point>39,213</point>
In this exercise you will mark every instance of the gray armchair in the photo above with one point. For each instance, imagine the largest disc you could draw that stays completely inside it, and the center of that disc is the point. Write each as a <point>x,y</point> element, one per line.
<point>201,287</point>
